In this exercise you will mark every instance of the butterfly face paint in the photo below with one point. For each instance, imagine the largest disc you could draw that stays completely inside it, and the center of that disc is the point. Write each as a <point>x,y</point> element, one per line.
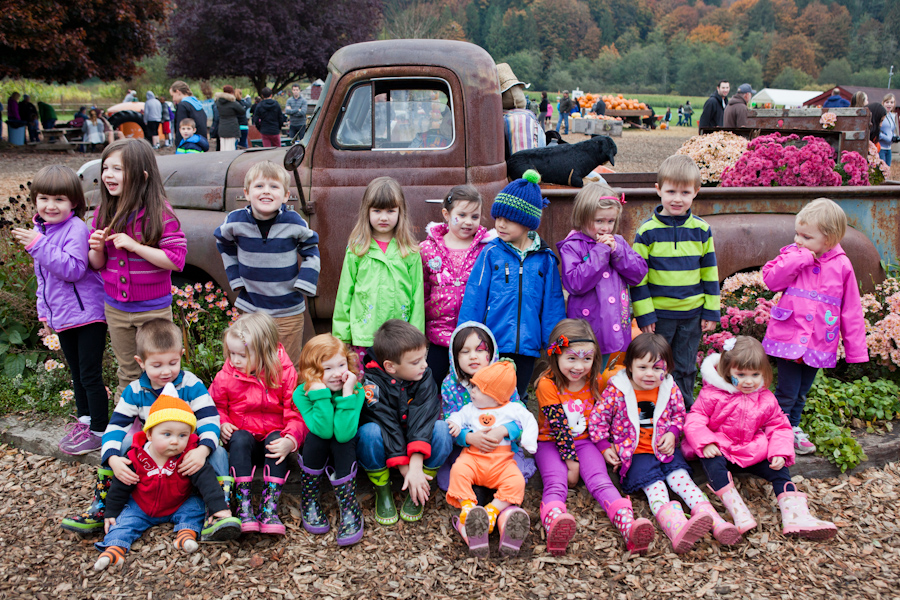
<point>575,363</point>
<point>734,381</point>
<point>647,372</point>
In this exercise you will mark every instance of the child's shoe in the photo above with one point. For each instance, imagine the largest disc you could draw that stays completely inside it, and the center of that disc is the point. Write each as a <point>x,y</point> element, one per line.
<point>226,528</point>
<point>796,519</point>
<point>242,505</point>
<point>409,511</point>
<point>735,506</point>
<point>314,519</point>
<point>385,509</point>
<point>802,445</point>
<point>79,440</point>
<point>110,556</point>
<point>683,532</point>
<point>474,526</point>
<point>268,506</point>
<point>514,525</point>
<point>90,522</point>
<point>560,527</point>
<point>638,533</point>
<point>186,539</point>
<point>350,530</point>
<point>723,531</point>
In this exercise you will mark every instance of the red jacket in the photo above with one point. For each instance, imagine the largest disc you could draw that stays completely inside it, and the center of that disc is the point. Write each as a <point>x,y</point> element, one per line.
<point>249,405</point>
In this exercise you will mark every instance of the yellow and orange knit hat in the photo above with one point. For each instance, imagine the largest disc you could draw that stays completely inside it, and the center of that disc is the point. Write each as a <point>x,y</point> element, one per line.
<point>497,380</point>
<point>169,407</point>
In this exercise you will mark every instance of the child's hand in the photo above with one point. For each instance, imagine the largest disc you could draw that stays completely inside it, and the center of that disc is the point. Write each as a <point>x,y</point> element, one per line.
<point>110,522</point>
<point>226,431</point>
<point>97,241</point>
<point>455,429</point>
<point>119,466</point>
<point>417,482</point>
<point>573,472</point>
<point>349,380</point>
<point>123,241</point>
<point>316,385</point>
<point>279,449</point>
<point>711,451</point>
<point>24,236</point>
<point>651,328</point>
<point>612,458</point>
<point>706,326</point>
<point>666,444</point>
<point>480,440</point>
<point>608,239</point>
<point>496,434</point>
<point>193,461</point>
<point>777,463</point>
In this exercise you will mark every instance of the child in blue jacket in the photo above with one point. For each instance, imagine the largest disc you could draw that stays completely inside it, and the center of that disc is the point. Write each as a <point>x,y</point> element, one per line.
<point>514,287</point>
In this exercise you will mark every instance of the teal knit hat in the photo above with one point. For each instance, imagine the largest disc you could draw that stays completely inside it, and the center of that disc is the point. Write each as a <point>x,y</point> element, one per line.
<point>521,201</point>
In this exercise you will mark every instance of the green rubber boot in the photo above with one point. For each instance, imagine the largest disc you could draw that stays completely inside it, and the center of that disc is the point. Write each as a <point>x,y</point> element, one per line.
<point>411,513</point>
<point>385,509</point>
<point>222,530</point>
<point>90,522</point>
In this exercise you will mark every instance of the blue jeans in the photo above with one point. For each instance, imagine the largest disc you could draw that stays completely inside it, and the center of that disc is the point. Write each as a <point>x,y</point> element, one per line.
<point>885,155</point>
<point>370,447</point>
<point>563,117</point>
<point>717,469</point>
<point>794,381</point>
<point>683,336</point>
<point>133,521</point>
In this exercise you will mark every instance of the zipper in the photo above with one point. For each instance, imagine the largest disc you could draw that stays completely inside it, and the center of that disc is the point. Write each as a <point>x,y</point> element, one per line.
<point>78,297</point>
<point>43,227</point>
<point>519,309</point>
<point>507,272</point>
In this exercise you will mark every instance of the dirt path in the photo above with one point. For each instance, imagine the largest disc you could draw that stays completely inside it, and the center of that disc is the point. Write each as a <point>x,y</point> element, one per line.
<point>426,560</point>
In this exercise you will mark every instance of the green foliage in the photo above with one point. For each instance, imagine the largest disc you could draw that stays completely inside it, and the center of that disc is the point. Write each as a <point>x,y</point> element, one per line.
<point>832,406</point>
<point>36,388</point>
<point>836,72</point>
<point>204,314</point>
<point>791,79</point>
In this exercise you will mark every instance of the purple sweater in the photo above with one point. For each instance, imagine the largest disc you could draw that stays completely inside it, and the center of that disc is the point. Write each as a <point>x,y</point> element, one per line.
<point>129,278</point>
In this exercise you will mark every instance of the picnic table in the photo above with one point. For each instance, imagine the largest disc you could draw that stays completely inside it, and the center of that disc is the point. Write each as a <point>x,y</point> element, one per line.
<point>57,139</point>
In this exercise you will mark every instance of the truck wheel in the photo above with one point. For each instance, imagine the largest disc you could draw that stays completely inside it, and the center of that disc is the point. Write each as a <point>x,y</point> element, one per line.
<point>126,116</point>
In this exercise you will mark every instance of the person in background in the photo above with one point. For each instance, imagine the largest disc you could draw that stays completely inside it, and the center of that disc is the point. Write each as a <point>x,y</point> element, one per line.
<point>268,118</point>
<point>859,100</point>
<point>187,106</point>
<point>544,111</point>
<point>131,96</point>
<point>713,113</point>
<point>166,120</point>
<point>688,113</point>
<point>295,108</point>
<point>245,102</point>
<point>888,131</point>
<point>29,114</point>
<point>835,100</point>
<point>47,115</point>
<point>565,107</point>
<point>680,115</point>
<point>152,119</point>
<point>736,111</point>
<point>231,117</point>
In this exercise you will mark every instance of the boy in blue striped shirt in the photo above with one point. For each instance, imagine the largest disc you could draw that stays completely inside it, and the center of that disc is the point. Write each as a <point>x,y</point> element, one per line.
<point>679,296</point>
<point>260,244</point>
<point>159,349</point>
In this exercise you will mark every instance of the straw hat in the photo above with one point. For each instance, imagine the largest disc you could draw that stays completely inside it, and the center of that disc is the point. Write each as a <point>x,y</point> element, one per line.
<point>508,78</point>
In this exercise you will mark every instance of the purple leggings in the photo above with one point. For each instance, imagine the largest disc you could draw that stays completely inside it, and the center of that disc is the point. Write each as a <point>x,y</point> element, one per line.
<point>592,467</point>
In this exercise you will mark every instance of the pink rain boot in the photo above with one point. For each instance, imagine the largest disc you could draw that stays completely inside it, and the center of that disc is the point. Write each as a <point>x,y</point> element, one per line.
<point>474,527</point>
<point>735,506</point>
<point>513,524</point>
<point>560,527</point>
<point>638,533</point>
<point>796,519</point>
<point>723,531</point>
<point>681,531</point>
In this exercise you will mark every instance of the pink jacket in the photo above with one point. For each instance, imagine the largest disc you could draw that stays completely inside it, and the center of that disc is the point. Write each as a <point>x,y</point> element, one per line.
<point>129,278</point>
<point>616,414</point>
<point>247,404</point>
<point>747,428</point>
<point>820,301</point>
<point>445,283</point>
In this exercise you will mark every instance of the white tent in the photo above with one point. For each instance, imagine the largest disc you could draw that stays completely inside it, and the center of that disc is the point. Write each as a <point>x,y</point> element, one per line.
<point>785,98</point>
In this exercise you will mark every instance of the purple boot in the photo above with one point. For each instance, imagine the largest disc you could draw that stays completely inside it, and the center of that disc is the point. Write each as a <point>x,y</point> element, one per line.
<point>350,529</point>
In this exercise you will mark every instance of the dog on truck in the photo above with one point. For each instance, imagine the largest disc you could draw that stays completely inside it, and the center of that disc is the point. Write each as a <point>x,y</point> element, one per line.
<point>564,164</point>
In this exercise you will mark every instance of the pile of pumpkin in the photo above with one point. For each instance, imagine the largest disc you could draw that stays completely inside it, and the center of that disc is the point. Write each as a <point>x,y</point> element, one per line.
<point>613,102</point>
<point>591,115</point>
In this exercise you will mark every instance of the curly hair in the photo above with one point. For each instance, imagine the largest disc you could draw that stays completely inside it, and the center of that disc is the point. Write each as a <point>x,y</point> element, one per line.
<point>319,349</point>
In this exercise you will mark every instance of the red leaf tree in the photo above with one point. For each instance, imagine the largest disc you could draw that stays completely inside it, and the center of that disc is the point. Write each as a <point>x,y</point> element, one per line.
<point>74,41</point>
<point>266,41</point>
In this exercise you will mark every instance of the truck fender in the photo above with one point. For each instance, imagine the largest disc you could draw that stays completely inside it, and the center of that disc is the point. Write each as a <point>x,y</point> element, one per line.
<point>747,242</point>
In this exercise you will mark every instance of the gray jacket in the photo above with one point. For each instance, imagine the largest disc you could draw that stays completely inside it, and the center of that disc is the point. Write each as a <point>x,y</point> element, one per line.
<point>296,109</point>
<point>152,109</point>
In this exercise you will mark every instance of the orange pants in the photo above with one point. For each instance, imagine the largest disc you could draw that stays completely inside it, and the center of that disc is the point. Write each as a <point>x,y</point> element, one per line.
<point>496,470</point>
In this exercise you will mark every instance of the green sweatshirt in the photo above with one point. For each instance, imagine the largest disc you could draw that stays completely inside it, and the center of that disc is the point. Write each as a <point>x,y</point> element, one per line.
<point>328,414</point>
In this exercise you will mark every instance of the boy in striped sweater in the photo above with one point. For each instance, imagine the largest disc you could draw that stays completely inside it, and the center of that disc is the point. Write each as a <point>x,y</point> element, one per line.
<point>159,347</point>
<point>679,296</point>
<point>259,246</point>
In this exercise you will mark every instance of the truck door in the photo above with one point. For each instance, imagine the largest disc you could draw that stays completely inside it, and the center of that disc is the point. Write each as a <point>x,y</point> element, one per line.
<point>381,122</point>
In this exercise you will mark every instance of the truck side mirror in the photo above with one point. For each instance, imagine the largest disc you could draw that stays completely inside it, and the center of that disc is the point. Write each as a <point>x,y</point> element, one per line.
<point>292,160</point>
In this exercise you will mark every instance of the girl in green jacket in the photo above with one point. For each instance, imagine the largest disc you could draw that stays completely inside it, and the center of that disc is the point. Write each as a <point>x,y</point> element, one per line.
<point>330,399</point>
<point>382,274</point>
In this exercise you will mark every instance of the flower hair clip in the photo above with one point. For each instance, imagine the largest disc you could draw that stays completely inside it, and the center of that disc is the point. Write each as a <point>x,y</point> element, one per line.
<point>619,199</point>
<point>557,346</point>
<point>728,346</point>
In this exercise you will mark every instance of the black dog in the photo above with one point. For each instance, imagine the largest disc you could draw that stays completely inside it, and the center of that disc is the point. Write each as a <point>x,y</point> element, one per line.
<point>564,164</point>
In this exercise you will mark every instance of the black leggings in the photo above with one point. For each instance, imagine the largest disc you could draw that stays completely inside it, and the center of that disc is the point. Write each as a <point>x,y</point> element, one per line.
<point>244,452</point>
<point>717,469</point>
<point>524,371</point>
<point>83,348</point>
<point>317,450</point>
<point>438,362</point>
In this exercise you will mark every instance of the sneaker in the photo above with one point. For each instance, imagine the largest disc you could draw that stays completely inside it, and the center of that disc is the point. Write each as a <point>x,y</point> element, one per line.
<point>79,440</point>
<point>802,445</point>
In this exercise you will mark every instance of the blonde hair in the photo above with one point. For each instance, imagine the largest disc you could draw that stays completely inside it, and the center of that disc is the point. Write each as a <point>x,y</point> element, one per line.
<point>382,193</point>
<point>888,97</point>
<point>580,330</point>
<point>828,217</point>
<point>748,355</point>
<point>258,333</point>
<point>268,170</point>
<point>319,349</point>
<point>595,196</point>
<point>679,168</point>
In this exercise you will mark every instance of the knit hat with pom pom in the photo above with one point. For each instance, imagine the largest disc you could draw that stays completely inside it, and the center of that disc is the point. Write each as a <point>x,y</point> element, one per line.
<point>169,407</point>
<point>521,201</point>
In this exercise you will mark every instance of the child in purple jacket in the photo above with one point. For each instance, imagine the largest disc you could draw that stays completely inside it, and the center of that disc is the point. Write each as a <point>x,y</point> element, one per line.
<point>448,255</point>
<point>70,297</point>
<point>598,266</point>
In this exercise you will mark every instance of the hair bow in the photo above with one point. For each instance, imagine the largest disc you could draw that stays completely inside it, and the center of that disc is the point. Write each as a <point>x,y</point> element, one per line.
<point>728,346</point>
<point>557,346</point>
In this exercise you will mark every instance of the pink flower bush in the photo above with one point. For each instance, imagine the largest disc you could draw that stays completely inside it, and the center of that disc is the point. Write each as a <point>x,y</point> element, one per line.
<point>777,160</point>
<point>828,120</point>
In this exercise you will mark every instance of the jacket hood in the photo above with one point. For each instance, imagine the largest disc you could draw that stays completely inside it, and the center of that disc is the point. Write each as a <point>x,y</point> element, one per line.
<point>267,102</point>
<point>621,381</point>
<point>454,374</point>
<point>223,97</point>
<point>151,96</point>
<point>711,375</point>
<point>193,102</point>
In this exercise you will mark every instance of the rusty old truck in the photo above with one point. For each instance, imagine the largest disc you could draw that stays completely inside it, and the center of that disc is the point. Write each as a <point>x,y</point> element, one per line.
<point>429,113</point>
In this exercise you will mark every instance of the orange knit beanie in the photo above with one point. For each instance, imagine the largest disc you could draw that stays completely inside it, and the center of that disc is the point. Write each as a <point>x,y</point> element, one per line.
<point>497,380</point>
<point>169,407</point>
